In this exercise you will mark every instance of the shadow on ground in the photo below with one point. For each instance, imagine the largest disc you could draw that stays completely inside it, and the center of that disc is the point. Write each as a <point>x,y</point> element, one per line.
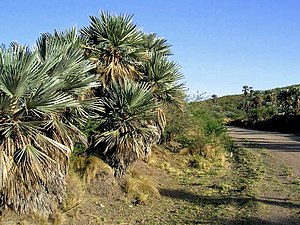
<point>240,201</point>
<point>279,147</point>
<point>245,221</point>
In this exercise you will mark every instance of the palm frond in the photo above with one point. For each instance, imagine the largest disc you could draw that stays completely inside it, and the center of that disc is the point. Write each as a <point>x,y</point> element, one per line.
<point>156,45</point>
<point>164,77</point>
<point>116,44</point>
<point>40,91</point>
<point>127,110</point>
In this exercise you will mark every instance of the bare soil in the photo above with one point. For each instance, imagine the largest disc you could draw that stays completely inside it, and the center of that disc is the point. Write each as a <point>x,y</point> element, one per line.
<point>279,190</point>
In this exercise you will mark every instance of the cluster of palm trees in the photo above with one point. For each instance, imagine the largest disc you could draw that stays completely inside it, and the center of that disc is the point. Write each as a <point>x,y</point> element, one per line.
<point>110,73</point>
<point>265,104</point>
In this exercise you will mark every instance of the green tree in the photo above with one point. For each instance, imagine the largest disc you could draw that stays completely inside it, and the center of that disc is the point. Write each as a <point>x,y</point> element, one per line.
<point>41,98</point>
<point>245,90</point>
<point>214,98</point>
<point>127,57</point>
<point>125,127</point>
<point>288,101</point>
<point>116,45</point>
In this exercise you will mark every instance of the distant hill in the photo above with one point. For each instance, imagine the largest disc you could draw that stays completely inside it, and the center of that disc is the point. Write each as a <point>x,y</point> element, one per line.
<point>276,109</point>
<point>230,105</point>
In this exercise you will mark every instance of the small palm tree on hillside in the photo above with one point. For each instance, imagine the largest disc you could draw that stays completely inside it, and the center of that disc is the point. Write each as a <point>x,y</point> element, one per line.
<point>40,91</point>
<point>214,98</point>
<point>288,101</point>
<point>245,90</point>
<point>271,97</point>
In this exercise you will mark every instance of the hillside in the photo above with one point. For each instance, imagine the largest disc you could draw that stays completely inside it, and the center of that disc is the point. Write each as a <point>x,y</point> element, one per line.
<point>196,175</point>
<point>231,102</point>
<point>276,109</point>
<point>208,191</point>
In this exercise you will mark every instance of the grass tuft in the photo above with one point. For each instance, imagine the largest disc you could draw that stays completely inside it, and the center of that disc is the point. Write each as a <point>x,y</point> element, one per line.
<point>90,166</point>
<point>140,187</point>
<point>58,217</point>
<point>39,218</point>
<point>75,192</point>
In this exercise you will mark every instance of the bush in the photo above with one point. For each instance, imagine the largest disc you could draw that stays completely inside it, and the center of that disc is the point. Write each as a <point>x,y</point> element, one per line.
<point>201,132</point>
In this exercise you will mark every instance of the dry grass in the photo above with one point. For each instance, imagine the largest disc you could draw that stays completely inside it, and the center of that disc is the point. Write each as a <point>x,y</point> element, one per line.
<point>95,166</point>
<point>98,176</point>
<point>140,187</point>
<point>39,218</point>
<point>170,169</point>
<point>90,166</point>
<point>24,222</point>
<point>58,218</point>
<point>209,151</point>
<point>75,192</point>
<point>78,163</point>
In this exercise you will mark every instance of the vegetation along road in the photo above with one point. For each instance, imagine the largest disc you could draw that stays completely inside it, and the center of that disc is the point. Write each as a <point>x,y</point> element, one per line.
<point>279,192</point>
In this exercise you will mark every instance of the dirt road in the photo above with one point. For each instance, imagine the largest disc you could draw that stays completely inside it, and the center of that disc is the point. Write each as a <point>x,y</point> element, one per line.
<point>284,147</point>
<point>282,172</point>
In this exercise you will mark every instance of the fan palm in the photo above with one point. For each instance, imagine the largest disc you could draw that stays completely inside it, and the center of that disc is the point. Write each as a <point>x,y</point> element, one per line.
<point>39,91</point>
<point>115,43</point>
<point>156,45</point>
<point>124,127</point>
<point>163,76</point>
<point>123,54</point>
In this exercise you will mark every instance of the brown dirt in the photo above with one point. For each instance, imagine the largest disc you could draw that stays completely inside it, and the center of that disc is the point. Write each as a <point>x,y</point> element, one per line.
<point>281,184</point>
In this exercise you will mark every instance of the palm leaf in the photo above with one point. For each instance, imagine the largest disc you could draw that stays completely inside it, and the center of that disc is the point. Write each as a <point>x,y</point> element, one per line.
<point>41,90</point>
<point>117,45</point>
<point>127,110</point>
<point>164,77</point>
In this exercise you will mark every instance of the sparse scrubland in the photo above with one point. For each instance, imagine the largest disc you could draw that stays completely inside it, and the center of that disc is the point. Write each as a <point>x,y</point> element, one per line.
<point>95,129</point>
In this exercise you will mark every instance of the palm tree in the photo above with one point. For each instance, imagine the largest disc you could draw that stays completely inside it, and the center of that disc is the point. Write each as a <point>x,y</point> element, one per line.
<point>270,97</point>
<point>163,77</point>
<point>116,45</point>
<point>288,101</point>
<point>127,57</point>
<point>214,98</point>
<point>124,128</point>
<point>245,90</point>
<point>156,45</point>
<point>40,90</point>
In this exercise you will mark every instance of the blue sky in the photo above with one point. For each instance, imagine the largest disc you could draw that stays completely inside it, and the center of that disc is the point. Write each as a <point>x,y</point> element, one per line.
<point>220,44</point>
